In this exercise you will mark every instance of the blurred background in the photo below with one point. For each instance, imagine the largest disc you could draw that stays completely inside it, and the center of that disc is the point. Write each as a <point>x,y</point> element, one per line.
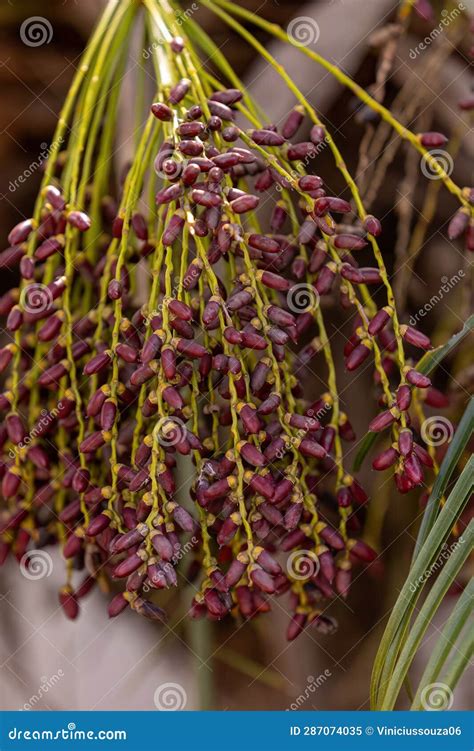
<point>48,662</point>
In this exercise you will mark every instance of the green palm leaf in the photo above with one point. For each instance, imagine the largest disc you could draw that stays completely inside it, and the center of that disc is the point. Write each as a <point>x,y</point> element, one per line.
<point>409,621</point>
